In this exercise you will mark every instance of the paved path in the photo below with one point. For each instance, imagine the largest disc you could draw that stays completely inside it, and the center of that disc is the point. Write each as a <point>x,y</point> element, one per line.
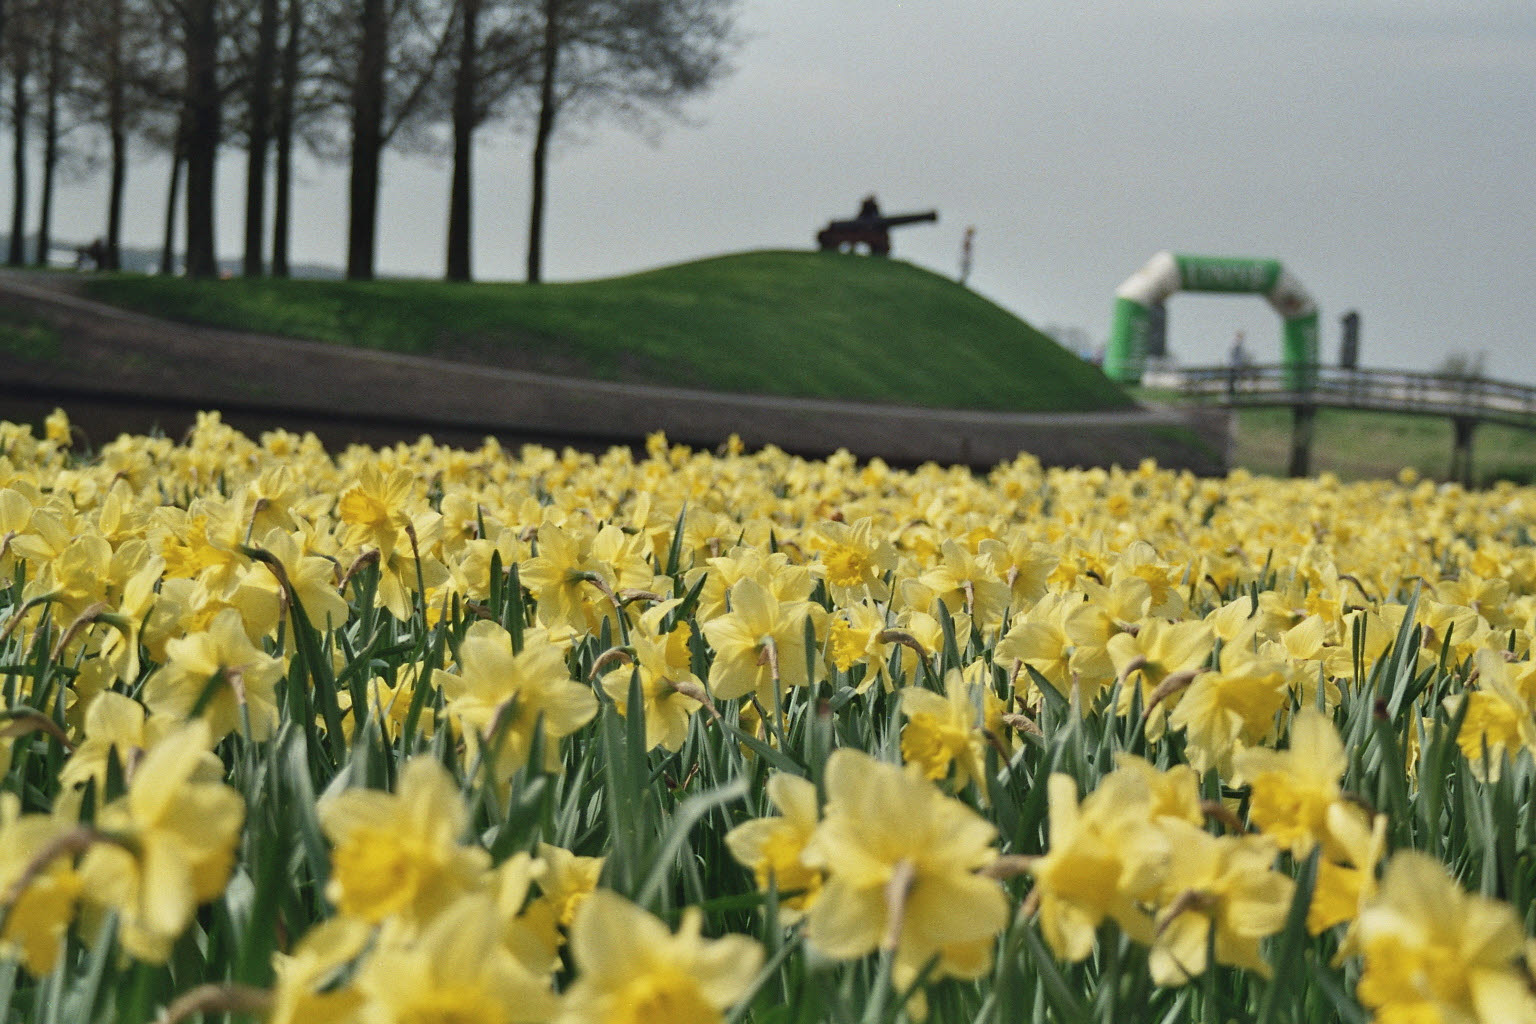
<point>131,370</point>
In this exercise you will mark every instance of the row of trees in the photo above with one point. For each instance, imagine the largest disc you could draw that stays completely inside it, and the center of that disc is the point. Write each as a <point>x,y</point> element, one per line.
<point>344,79</point>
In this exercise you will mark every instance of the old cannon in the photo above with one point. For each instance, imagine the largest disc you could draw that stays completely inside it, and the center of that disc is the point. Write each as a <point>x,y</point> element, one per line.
<point>874,232</point>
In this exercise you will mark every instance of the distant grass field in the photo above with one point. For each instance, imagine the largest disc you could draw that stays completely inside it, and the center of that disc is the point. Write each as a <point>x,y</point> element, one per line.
<point>1360,445</point>
<point>821,325</point>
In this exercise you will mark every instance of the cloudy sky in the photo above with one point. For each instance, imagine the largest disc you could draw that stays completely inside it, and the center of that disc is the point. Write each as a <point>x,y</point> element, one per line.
<point>1384,150</point>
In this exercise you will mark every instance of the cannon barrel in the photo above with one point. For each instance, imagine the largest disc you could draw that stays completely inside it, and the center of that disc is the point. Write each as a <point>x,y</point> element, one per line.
<point>883,223</point>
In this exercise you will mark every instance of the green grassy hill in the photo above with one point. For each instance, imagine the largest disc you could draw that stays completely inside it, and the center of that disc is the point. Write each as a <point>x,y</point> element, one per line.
<point>783,323</point>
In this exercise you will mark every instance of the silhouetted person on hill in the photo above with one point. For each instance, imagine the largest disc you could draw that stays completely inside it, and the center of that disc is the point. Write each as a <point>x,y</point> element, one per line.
<point>869,209</point>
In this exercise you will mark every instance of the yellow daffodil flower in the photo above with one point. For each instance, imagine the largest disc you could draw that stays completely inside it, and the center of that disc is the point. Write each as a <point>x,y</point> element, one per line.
<point>772,846</point>
<point>456,970</point>
<point>631,969</point>
<point>168,845</point>
<point>1434,952</point>
<point>901,861</point>
<point>759,645</point>
<point>498,695</point>
<point>400,854</point>
<point>220,667</point>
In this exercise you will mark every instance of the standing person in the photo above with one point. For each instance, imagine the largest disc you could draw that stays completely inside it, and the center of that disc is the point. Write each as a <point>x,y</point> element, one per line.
<point>966,244</point>
<point>1239,354</point>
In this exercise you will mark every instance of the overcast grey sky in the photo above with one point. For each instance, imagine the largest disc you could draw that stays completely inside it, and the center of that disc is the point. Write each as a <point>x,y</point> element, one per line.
<point>1384,150</point>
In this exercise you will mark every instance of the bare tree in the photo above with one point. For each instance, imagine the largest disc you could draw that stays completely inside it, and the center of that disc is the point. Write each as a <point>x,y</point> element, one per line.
<point>465,79</point>
<point>121,88</point>
<point>263,78</point>
<point>628,58</point>
<point>283,129</point>
<point>380,61</point>
<point>304,109</point>
<point>367,138</point>
<point>204,103</point>
<point>496,55</point>
<point>117,37</point>
<point>178,151</point>
<point>22,23</point>
<point>55,72</point>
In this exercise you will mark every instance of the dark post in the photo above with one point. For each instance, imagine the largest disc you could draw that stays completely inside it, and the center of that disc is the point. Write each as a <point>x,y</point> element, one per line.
<point>1302,422</point>
<point>1157,331</point>
<point>1461,454</point>
<point>1349,345</point>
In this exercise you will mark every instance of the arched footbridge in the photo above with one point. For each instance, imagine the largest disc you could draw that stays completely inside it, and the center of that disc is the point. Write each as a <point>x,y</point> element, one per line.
<point>1298,381</point>
<point>1466,401</point>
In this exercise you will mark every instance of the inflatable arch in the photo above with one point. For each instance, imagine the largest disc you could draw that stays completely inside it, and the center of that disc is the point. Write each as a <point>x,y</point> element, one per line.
<point>1168,272</point>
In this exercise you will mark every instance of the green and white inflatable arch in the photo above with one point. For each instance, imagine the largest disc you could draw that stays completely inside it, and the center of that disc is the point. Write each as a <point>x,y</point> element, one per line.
<point>1168,272</point>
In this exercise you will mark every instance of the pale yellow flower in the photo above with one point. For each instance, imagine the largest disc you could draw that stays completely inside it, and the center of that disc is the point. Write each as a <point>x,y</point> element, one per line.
<point>1106,859</point>
<point>759,645</point>
<point>35,924</point>
<point>456,970</point>
<point>665,664</point>
<point>174,836</point>
<point>1293,789</point>
<point>400,854</point>
<point>499,696</point>
<point>949,732</point>
<point>631,969</point>
<point>1434,952</point>
<point>772,846</point>
<point>882,823</point>
<point>1220,892</point>
<point>220,668</point>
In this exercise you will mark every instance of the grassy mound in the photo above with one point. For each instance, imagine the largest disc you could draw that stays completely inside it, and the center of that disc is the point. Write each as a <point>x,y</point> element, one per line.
<point>784,323</point>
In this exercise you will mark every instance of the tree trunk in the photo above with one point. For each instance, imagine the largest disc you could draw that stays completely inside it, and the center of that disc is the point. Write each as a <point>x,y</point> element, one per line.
<point>52,86</point>
<point>546,127</point>
<point>2,28</point>
<point>202,135</point>
<point>112,254</point>
<point>367,142</point>
<point>464,116</point>
<point>178,157</point>
<point>19,115</point>
<point>262,76</point>
<point>283,186</point>
<point>118,131</point>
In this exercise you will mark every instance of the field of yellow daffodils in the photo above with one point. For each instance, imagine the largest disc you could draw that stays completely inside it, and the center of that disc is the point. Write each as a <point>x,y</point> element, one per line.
<point>423,735</point>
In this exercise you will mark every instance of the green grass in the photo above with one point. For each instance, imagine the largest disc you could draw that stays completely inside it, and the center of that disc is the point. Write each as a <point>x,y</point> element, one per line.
<point>820,325</point>
<point>26,338</point>
<point>1359,445</point>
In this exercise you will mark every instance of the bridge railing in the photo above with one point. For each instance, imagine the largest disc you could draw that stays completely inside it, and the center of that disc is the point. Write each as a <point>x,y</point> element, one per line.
<point>1378,389</point>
